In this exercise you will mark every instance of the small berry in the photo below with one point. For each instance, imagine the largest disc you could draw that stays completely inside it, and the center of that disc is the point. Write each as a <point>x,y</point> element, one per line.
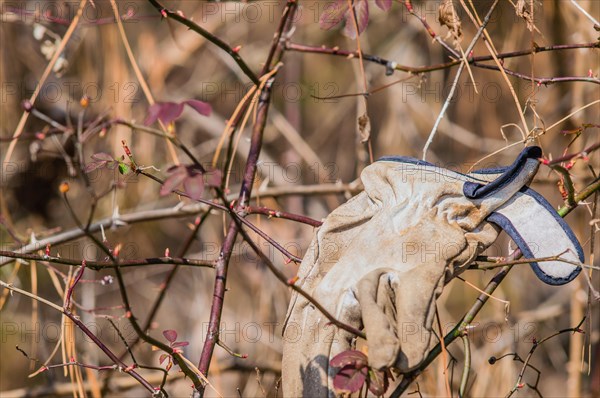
<point>63,187</point>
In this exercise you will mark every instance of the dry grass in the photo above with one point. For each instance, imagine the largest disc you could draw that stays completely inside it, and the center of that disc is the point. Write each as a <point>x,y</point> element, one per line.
<point>317,142</point>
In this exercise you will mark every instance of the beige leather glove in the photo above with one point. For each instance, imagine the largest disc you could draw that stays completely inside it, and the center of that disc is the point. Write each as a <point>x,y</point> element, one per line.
<point>381,260</point>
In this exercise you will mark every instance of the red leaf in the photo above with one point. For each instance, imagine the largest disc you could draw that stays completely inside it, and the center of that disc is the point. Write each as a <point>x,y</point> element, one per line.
<point>175,179</point>
<point>378,382</point>
<point>385,5</point>
<point>162,358</point>
<point>349,357</point>
<point>333,14</point>
<point>199,106</point>
<point>103,156</point>
<point>194,186</point>
<point>361,8</point>
<point>170,335</point>
<point>180,344</point>
<point>350,379</point>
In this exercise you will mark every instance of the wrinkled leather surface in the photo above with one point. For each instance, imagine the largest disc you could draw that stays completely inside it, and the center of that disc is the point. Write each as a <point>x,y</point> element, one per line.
<point>380,261</point>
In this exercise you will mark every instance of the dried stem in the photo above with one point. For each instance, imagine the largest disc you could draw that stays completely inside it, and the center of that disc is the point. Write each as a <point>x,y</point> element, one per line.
<point>88,333</point>
<point>409,7</point>
<point>458,73</point>
<point>467,366</point>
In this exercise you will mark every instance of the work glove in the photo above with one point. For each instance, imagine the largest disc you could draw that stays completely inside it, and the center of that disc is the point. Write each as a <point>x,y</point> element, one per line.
<point>380,261</point>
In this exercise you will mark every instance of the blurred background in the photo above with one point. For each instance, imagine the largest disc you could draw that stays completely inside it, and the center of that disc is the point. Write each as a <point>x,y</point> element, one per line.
<point>312,138</point>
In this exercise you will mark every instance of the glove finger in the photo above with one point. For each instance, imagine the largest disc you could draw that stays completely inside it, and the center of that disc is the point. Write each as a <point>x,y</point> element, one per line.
<point>374,295</point>
<point>415,297</point>
<point>310,342</point>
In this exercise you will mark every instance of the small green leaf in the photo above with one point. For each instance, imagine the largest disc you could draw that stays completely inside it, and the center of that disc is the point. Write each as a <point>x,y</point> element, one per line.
<point>124,168</point>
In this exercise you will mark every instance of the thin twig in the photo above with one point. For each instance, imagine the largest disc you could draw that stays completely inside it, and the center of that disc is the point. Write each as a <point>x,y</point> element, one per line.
<point>184,211</point>
<point>166,13</point>
<point>536,344</point>
<point>85,330</point>
<point>409,7</point>
<point>393,65</point>
<point>458,73</point>
<point>228,244</point>
<point>98,265</point>
<point>57,53</point>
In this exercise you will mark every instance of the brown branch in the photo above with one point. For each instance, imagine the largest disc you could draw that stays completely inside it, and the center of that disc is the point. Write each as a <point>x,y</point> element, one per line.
<point>571,156</point>
<point>409,7</point>
<point>176,212</point>
<point>541,80</point>
<point>227,247</point>
<point>125,298</point>
<point>208,36</point>
<point>98,265</point>
<point>392,65</point>
<point>240,212</point>
<point>282,214</point>
<point>291,283</point>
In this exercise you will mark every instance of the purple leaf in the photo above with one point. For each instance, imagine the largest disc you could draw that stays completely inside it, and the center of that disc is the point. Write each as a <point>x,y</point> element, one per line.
<point>153,112</point>
<point>162,358</point>
<point>93,166</point>
<point>385,5</point>
<point>361,8</point>
<point>378,382</point>
<point>177,177</point>
<point>180,344</point>
<point>194,186</point>
<point>350,379</point>
<point>333,14</point>
<point>103,156</point>
<point>166,112</point>
<point>169,111</point>
<point>170,335</point>
<point>214,178</point>
<point>175,167</point>
<point>349,357</point>
<point>199,106</point>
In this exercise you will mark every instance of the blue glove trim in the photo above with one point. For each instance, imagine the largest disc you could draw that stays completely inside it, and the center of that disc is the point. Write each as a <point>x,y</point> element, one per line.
<point>474,190</point>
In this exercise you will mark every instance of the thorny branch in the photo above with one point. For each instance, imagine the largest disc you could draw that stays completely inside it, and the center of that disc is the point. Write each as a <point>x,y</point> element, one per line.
<point>241,208</point>
<point>393,65</point>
